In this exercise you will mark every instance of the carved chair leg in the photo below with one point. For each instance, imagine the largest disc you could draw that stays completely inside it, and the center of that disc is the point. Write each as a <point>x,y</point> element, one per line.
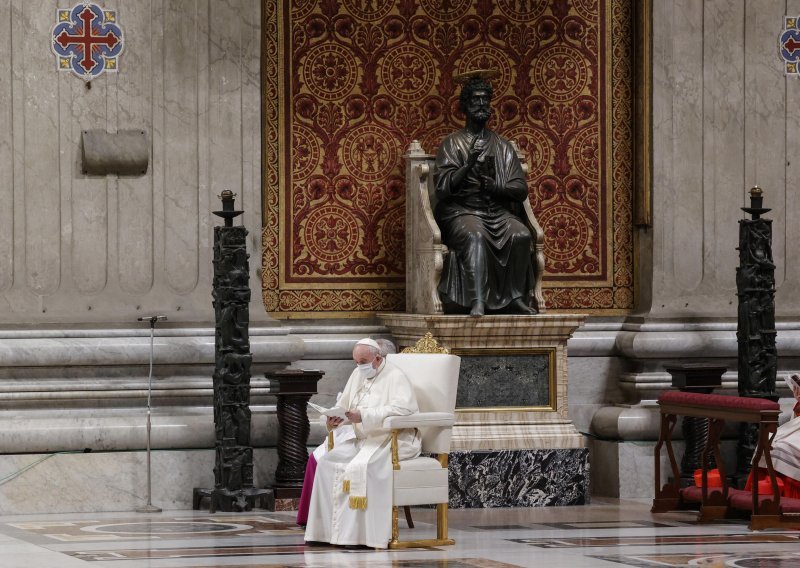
<point>395,529</point>
<point>441,521</point>
<point>410,522</point>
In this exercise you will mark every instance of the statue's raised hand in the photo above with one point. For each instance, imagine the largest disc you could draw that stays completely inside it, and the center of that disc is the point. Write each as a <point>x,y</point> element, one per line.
<point>475,151</point>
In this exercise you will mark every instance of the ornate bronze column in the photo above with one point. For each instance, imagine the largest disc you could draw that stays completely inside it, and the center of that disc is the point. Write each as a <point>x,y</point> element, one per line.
<point>233,466</point>
<point>755,334</point>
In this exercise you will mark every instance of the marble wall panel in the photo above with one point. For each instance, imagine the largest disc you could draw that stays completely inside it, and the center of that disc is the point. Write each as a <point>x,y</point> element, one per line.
<point>80,249</point>
<point>663,145</point>
<point>687,119</point>
<point>787,295</point>
<point>722,122</point>
<point>132,256</point>
<point>251,137</point>
<point>113,481</point>
<point>224,96</point>
<point>487,381</point>
<point>182,57</point>
<point>38,140</point>
<point>723,140</point>
<point>765,119</point>
<point>6,158</point>
<point>87,239</point>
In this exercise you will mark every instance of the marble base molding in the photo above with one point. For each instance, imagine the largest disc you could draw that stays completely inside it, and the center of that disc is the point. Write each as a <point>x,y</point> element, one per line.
<point>513,381</point>
<point>111,481</point>
<point>519,478</point>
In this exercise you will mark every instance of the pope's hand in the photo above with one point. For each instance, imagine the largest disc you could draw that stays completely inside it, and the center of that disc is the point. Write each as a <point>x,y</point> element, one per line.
<point>354,416</point>
<point>333,422</point>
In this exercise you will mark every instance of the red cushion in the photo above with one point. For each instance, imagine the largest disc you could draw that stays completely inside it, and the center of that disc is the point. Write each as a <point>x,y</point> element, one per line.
<point>694,494</point>
<point>717,400</point>
<point>790,505</point>
<point>712,477</point>
<point>743,500</point>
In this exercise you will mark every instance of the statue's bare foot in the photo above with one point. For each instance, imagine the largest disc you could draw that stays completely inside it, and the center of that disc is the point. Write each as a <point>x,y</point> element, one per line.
<point>517,306</point>
<point>477,309</point>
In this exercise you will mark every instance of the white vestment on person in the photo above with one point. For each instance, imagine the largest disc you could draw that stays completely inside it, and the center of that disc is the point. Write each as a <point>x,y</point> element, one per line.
<point>351,501</point>
<point>340,435</point>
<point>786,449</point>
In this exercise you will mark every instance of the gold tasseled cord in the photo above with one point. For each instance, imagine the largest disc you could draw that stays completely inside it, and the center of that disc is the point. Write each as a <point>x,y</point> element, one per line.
<point>358,502</point>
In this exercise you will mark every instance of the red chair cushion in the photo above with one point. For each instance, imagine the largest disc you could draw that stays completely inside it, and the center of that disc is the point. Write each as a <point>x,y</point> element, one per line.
<point>717,400</point>
<point>790,505</point>
<point>743,500</point>
<point>694,494</point>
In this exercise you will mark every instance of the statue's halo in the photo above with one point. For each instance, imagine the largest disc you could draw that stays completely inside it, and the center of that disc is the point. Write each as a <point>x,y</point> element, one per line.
<point>485,74</point>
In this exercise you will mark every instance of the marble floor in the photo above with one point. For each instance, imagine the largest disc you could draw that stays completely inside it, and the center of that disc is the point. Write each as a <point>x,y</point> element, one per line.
<point>606,533</point>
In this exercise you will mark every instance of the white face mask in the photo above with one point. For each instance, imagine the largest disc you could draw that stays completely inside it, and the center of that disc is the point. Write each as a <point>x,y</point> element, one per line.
<point>367,370</point>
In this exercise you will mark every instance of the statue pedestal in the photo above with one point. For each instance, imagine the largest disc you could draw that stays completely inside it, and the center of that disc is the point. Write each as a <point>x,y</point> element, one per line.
<point>512,423</point>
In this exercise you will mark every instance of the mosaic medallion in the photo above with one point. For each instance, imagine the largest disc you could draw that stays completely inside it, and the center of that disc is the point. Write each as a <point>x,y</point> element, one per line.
<point>87,40</point>
<point>789,45</point>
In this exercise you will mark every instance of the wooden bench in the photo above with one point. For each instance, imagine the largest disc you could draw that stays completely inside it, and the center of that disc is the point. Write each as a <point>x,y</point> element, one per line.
<point>715,503</point>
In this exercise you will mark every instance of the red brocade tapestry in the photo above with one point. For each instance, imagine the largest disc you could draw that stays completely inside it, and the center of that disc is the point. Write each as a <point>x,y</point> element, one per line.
<point>348,84</point>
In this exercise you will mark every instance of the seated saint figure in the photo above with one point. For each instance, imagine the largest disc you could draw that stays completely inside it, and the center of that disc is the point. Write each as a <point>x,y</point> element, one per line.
<point>480,188</point>
<point>351,499</point>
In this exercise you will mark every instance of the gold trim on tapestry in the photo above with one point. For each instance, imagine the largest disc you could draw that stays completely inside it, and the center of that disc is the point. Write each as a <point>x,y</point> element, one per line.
<point>642,20</point>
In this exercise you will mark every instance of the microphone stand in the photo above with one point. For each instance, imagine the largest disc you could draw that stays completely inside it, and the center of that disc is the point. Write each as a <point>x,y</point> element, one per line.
<point>150,508</point>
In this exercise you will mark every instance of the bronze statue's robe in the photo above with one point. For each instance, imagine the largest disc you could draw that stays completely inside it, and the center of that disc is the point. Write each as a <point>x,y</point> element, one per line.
<point>491,245</point>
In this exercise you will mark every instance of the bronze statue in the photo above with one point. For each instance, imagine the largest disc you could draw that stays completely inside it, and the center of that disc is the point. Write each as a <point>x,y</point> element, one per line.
<point>480,188</point>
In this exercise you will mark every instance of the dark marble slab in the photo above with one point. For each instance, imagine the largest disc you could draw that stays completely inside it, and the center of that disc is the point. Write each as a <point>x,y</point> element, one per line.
<point>519,478</point>
<point>487,381</point>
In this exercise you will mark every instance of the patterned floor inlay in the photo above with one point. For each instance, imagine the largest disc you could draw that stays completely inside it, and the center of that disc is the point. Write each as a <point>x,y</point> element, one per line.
<point>584,525</point>
<point>216,552</point>
<point>161,528</point>
<point>709,560</point>
<point>204,552</point>
<point>502,527</point>
<point>652,540</point>
<point>427,563</point>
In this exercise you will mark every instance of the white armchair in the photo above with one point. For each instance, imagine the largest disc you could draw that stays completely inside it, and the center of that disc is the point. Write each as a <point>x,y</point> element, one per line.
<point>423,480</point>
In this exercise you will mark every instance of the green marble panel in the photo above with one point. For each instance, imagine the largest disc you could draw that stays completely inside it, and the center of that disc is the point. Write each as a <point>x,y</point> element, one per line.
<point>499,380</point>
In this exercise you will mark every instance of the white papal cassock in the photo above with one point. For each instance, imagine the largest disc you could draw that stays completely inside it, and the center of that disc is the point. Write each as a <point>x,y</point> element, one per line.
<point>786,449</point>
<point>351,502</point>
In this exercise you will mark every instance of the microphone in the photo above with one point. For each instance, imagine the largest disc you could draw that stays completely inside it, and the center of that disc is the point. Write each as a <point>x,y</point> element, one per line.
<point>152,319</point>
